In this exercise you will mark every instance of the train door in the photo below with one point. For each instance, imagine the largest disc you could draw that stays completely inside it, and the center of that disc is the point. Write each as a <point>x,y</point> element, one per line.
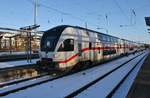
<point>85,51</point>
<point>80,49</point>
<point>124,46</point>
<point>94,51</point>
<point>79,44</point>
<point>82,52</point>
<point>99,52</point>
<point>90,51</point>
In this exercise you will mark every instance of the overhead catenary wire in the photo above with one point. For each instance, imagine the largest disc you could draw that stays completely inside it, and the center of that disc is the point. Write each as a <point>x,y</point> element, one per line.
<point>132,17</point>
<point>56,10</point>
<point>121,10</point>
<point>133,11</point>
<point>66,14</point>
<point>61,12</point>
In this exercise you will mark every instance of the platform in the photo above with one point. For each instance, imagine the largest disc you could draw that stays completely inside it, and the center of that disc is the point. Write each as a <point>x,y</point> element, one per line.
<point>11,64</point>
<point>141,85</point>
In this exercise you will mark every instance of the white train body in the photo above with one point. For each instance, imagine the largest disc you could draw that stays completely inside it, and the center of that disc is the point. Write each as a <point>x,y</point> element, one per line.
<point>64,47</point>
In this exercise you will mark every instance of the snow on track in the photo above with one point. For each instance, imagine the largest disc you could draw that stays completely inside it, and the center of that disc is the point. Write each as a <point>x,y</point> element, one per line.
<point>12,53</point>
<point>23,84</point>
<point>62,87</point>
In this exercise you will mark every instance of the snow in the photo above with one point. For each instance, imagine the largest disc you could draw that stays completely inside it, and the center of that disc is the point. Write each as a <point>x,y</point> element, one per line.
<point>125,87</point>
<point>12,53</point>
<point>22,84</point>
<point>16,63</point>
<point>102,88</point>
<point>64,86</point>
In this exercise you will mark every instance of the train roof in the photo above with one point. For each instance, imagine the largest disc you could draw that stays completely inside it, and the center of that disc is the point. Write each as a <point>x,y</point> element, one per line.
<point>78,27</point>
<point>63,27</point>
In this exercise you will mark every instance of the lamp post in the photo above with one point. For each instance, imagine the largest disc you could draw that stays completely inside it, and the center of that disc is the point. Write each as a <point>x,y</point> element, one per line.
<point>35,11</point>
<point>29,38</point>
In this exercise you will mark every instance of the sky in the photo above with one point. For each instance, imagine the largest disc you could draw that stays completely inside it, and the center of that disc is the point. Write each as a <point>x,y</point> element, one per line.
<point>99,15</point>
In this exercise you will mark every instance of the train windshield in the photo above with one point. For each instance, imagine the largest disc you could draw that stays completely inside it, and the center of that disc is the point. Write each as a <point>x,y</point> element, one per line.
<point>50,38</point>
<point>49,42</point>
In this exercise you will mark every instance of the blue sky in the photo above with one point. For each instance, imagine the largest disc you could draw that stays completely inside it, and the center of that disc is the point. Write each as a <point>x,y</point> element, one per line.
<point>19,13</point>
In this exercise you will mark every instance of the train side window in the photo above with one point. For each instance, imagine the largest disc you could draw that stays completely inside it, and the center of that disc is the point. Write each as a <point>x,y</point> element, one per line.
<point>67,45</point>
<point>103,37</point>
<point>90,45</point>
<point>108,39</point>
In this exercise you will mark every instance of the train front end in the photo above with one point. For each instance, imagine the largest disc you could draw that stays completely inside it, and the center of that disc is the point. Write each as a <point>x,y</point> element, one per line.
<point>48,44</point>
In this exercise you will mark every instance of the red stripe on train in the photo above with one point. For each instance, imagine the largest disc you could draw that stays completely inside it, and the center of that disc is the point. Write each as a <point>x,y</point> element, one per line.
<point>72,57</point>
<point>87,49</point>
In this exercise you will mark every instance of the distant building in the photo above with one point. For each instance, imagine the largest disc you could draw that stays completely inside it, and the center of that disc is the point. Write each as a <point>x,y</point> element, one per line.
<point>18,41</point>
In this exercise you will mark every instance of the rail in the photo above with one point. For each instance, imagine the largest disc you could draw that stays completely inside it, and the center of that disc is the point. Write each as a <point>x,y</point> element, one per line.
<point>77,92</point>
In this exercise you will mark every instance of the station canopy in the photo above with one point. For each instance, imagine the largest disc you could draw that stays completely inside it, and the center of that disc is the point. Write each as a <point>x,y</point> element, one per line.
<point>147,20</point>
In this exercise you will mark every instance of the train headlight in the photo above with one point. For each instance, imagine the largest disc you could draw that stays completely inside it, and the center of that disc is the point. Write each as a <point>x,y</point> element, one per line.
<point>56,55</point>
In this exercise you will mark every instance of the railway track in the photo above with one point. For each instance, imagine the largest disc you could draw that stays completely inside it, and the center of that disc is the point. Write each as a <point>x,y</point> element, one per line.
<point>47,78</point>
<point>29,83</point>
<point>21,80</point>
<point>85,87</point>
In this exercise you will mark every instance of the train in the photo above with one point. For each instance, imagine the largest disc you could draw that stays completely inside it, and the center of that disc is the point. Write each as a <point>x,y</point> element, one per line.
<point>66,47</point>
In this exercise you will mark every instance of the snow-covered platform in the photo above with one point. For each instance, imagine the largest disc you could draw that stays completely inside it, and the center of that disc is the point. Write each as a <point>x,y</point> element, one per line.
<point>12,53</point>
<point>14,56</point>
<point>62,87</point>
<point>10,64</point>
<point>141,85</point>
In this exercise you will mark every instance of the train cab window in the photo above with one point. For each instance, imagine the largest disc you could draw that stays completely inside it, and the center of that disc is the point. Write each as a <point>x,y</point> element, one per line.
<point>49,43</point>
<point>67,45</point>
